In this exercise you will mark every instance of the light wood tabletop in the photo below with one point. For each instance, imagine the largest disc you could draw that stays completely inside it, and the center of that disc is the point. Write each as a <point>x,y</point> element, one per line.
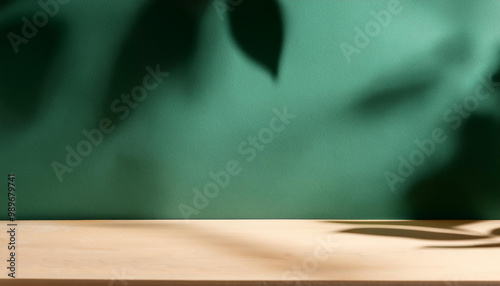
<point>252,252</point>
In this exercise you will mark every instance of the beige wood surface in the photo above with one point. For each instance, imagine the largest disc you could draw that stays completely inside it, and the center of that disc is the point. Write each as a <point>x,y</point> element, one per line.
<point>260,252</point>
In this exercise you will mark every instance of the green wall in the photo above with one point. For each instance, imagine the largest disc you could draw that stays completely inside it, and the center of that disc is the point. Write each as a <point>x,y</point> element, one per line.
<point>355,123</point>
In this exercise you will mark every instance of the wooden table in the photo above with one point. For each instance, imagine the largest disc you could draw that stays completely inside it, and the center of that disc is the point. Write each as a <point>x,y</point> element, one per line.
<point>253,252</point>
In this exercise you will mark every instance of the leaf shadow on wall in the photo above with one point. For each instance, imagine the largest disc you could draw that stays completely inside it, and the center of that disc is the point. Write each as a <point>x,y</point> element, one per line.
<point>165,35</point>
<point>257,28</point>
<point>469,183</point>
<point>24,75</point>
<point>4,3</point>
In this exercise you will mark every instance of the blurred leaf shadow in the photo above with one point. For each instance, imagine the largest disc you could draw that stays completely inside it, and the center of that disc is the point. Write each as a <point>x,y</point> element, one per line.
<point>443,224</point>
<point>257,27</point>
<point>408,83</point>
<point>496,231</point>
<point>469,180</point>
<point>165,35</point>
<point>495,77</point>
<point>458,191</point>
<point>489,245</point>
<point>416,234</point>
<point>382,99</point>
<point>377,230</point>
<point>5,3</point>
<point>23,76</point>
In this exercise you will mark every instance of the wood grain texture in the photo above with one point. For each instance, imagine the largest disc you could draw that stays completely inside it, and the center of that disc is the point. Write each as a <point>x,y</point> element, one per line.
<point>254,252</point>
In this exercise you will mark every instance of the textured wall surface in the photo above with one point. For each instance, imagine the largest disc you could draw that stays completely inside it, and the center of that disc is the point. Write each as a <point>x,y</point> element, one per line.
<point>372,109</point>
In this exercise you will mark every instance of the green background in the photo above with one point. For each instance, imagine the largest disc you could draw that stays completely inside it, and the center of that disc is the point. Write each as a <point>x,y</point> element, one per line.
<point>329,162</point>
